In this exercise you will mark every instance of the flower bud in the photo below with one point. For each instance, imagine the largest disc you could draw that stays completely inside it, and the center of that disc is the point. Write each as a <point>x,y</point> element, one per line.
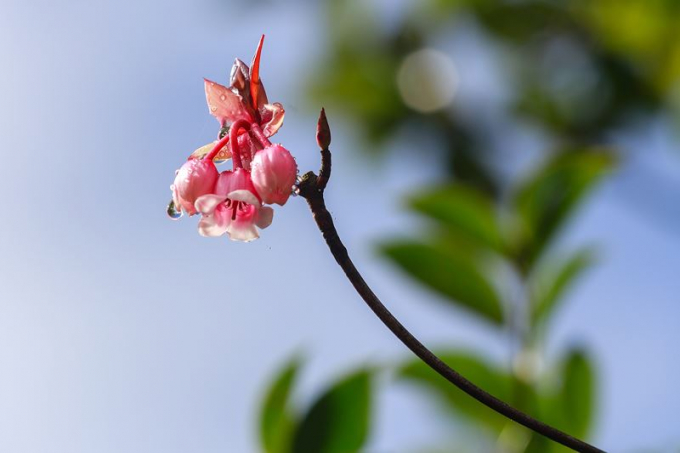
<point>273,172</point>
<point>323,132</point>
<point>195,178</point>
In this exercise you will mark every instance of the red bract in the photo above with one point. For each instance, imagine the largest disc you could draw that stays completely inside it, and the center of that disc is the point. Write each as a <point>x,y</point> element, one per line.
<point>244,99</point>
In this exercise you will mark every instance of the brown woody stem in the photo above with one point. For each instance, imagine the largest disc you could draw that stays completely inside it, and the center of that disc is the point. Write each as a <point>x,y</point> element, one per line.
<point>312,187</point>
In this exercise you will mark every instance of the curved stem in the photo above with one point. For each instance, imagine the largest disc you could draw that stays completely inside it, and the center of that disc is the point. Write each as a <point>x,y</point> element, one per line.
<point>233,141</point>
<point>257,132</point>
<point>312,189</point>
<point>218,146</point>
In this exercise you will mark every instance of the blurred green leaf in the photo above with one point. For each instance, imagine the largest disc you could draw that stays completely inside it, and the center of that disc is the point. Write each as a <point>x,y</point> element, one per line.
<point>541,444</point>
<point>532,18</point>
<point>276,418</point>
<point>550,291</point>
<point>645,33</point>
<point>488,377</point>
<point>572,405</point>
<point>545,201</point>
<point>339,421</point>
<point>451,275</point>
<point>464,210</point>
<point>578,392</point>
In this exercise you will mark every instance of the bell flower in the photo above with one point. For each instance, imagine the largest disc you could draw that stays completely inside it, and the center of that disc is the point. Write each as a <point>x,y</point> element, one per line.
<point>195,178</point>
<point>273,172</point>
<point>234,208</point>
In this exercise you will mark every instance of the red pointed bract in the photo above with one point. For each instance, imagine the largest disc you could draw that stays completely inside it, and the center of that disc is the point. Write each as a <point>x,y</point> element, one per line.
<point>255,83</point>
<point>224,104</point>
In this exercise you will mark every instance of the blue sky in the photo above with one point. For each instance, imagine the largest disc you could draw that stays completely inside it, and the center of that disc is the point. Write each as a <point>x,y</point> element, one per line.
<point>123,331</point>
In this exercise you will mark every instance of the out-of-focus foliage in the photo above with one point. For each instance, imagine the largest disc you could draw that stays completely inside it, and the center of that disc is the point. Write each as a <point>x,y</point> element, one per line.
<point>548,287</point>
<point>573,73</point>
<point>337,421</point>
<point>468,230</point>
<point>572,405</point>
<point>277,419</point>
<point>485,375</point>
<point>567,402</point>
<point>578,69</point>
<point>449,273</point>
<point>476,233</point>
<point>543,203</point>
<point>463,210</point>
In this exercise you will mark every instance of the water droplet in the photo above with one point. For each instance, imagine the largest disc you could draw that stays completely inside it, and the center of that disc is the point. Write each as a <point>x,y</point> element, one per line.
<point>173,212</point>
<point>213,108</point>
<point>224,131</point>
<point>295,190</point>
<point>223,97</point>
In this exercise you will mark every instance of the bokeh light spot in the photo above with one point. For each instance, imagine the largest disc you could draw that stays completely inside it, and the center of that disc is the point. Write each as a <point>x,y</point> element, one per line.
<point>427,80</point>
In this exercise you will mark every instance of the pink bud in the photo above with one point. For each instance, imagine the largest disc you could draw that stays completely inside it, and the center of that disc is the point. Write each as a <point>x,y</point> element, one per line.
<point>195,178</point>
<point>273,172</point>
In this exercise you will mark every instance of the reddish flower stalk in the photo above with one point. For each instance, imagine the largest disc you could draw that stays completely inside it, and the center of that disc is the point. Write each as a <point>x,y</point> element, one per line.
<point>257,132</point>
<point>234,145</point>
<point>216,148</point>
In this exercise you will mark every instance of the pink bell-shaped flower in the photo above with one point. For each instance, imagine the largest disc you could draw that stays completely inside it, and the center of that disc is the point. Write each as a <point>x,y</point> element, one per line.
<point>273,172</point>
<point>234,209</point>
<point>195,178</point>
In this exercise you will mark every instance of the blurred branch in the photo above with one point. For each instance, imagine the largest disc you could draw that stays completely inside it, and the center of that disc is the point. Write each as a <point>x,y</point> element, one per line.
<point>311,187</point>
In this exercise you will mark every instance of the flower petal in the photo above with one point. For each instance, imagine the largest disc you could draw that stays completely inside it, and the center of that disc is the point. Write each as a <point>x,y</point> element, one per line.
<point>264,217</point>
<point>242,231</point>
<point>206,204</point>
<point>245,196</point>
<point>210,226</point>
<point>272,118</point>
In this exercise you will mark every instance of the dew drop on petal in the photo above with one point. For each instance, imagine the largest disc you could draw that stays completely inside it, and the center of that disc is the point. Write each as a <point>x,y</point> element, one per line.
<point>213,108</point>
<point>173,212</point>
<point>223,97</point>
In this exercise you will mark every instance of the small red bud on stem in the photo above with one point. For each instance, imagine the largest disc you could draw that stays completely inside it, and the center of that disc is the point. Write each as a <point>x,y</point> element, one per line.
<point>323,132</point>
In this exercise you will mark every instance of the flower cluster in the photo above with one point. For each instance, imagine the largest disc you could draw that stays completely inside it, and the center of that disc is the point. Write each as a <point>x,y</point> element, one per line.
<point>234,201</point>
